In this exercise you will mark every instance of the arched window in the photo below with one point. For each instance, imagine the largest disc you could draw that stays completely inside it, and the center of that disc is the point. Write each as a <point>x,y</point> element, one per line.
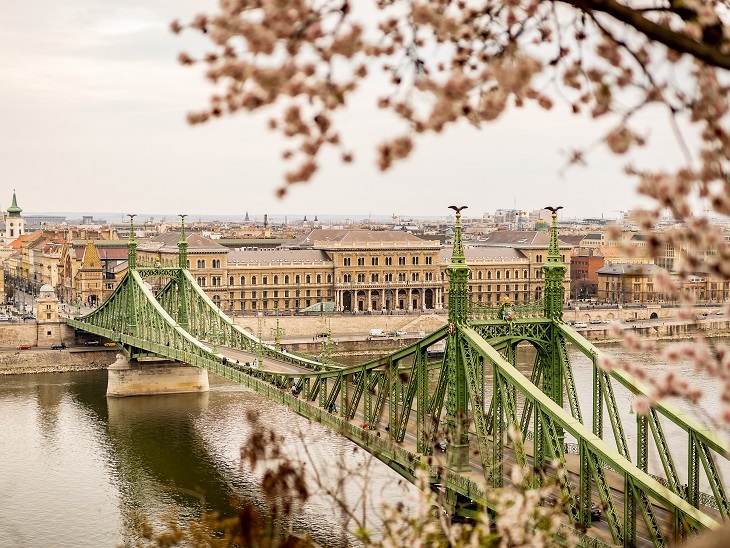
<point>319,278</point>
<point>253,280</point>
<point>243,280</point>
<point>489,274</point>
<point>329,278</point>
<point>499,274</point>
<point>308,279</point>
<point>525,274</point>
<point>200,263</point>
<point>506,274</point>
<point>264,280</point>
<point>286,279</point>
<point>276,279</point>
<point>479,275</point>
<point>217,300</point>
<point>230,280</point>
<point>297,279</point>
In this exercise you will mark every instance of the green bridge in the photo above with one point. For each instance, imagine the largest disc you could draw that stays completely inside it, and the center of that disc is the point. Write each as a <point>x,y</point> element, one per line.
<point>474,397</point>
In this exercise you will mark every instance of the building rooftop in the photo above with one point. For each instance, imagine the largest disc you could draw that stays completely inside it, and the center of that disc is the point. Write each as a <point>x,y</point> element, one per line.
<point>336,238</point>
<point>167,243</point>
<point>519,238</point>
<point>277,255</point>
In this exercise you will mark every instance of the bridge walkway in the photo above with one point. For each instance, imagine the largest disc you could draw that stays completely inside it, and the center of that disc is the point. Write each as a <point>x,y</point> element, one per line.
<point>599,528</point>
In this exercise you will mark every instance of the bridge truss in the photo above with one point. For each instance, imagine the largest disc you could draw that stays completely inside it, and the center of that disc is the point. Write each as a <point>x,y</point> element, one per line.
<point>475,398</point>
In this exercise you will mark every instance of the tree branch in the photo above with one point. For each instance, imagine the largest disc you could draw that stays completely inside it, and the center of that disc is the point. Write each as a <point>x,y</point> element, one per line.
<point>710,55</point>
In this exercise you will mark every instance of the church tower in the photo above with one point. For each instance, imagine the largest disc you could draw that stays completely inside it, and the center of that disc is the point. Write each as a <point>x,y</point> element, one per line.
<point>14,223</point>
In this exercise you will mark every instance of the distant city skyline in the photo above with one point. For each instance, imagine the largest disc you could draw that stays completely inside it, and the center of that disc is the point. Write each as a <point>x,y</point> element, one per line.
<point>117,217</point>
<point>94,102</point>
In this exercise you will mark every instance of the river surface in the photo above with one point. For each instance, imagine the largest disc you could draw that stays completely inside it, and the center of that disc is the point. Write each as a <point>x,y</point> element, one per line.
<point>75,466</point>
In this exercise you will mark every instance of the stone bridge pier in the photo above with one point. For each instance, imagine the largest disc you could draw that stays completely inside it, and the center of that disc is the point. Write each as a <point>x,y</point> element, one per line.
<point>149,376</point>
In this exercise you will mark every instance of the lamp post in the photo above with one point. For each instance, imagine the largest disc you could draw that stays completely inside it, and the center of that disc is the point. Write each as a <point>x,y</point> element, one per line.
<point>260,346</point>
<point>277,331</point>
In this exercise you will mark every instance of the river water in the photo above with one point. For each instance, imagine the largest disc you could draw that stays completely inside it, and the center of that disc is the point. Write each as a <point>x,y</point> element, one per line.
<point>75,466</point>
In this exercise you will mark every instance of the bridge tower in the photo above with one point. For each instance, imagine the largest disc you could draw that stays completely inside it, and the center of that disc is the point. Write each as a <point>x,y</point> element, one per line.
<point>132,266</point>
<point>554,272</point>
<point>457,400</point>
<point>182,246</point>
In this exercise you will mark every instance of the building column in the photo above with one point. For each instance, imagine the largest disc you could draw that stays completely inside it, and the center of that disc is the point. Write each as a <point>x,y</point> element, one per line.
<point>410,300</point>
<point>370,301</point>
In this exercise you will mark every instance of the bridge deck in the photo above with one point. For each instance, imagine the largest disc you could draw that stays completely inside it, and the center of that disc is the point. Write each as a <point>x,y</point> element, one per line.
<point>599,529</point>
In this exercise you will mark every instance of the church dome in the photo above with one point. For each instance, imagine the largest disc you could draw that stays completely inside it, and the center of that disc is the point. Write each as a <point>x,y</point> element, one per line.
<point>47,291</point>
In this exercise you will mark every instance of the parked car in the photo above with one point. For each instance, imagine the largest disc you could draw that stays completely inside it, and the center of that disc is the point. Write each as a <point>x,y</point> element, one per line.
<point>110,343</point>
<point>400,333</point>
<point>580,325</point>
<point>92,343</point>
<point>4,318</point>
<point>58,346</point>
<point>378,333</point>
<point>23,346</point>
<point>596,321</point>
<point>321,335</point>
<point>28,317</point>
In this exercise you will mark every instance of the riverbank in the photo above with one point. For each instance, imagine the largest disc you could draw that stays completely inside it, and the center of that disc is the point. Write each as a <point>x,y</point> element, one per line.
<point>19,362</point>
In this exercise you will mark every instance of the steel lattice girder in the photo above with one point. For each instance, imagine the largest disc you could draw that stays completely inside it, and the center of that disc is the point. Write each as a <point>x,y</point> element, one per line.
<point>594,445</point>
<point>712,445</point>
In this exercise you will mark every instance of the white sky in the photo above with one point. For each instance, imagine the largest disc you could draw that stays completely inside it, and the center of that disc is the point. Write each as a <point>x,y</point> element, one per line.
<point>92,111</point>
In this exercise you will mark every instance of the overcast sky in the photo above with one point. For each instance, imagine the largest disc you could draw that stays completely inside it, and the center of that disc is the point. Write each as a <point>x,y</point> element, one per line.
<point>92,111</point>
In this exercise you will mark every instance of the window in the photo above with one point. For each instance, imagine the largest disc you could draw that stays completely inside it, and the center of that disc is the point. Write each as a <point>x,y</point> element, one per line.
<point>201,281</point>
<point>276,294</point>
<point>297,280</point>
<point>489,274</point>
<point>200,263</point>
<point>414,260</point>
<point>525,273</point>
<point>347,278</point>
<point>216,263</point>
<point>517,274</point>
<point>243,280</point>
<point>286,279</point>
<point>253,294</point>
<point>264,280</point>
<point>276,279</point>
<point>230,280</point>
<point>401,261</point>
<point>243,294</point>
<point>506,274</point>
<point>401,276</point>
<point>373,278</point>
<point>329,278</point>
<point>479,275</point>
<point>499,274</point>
<point>373,261</point>
<point>264,294</point>
<point>361,261</point>
<point>319,278</point>
<point>346,261</point>
<point>361,277</point>
<point>253,280</point>
<point>388,277</point>
<point>308,279</point>
<point>286,294</point>
<point>389,261</point>
<point>414,277</point>
<point>429,260</point>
